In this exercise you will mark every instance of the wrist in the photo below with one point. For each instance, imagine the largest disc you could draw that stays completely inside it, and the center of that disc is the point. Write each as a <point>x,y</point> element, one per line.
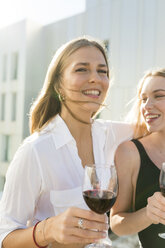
<point>48,228</point>
<point>148,220</point>
<point>39,234</point>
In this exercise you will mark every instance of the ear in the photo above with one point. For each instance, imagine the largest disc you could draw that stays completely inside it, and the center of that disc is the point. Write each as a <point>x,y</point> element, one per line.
<point>61,95</point>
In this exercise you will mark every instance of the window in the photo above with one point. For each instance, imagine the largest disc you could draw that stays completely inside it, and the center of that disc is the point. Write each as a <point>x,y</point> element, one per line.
<point>14,66</point>
<point>106,44</point>
<point>14,107</point>
<point>5,146</point>
<point>4,67</point>
<point>2,105</point>
<point>2,182</point>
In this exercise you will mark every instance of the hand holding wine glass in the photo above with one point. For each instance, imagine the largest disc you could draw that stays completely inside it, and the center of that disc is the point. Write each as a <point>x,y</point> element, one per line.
<point>100,192</point>
<point>162,179</point>
<point>162,189</point>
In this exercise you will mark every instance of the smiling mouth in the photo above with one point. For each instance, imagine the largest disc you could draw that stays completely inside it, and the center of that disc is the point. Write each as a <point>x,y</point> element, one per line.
<point>91,92</point>
<point>151,117</point>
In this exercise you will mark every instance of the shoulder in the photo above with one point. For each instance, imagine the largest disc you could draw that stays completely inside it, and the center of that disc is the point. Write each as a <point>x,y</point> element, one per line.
<point>114,124</point>
<point>120,126</point>
<point>127,155</point>
<point>27,149</point>
<point>127,145</point>
<point>24,158</point>
<point>120,132</point>
<point>125,148</point>
<point>37,138</point>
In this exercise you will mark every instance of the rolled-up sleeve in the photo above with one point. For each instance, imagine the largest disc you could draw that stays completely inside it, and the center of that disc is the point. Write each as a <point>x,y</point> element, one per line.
<point>21,191</point>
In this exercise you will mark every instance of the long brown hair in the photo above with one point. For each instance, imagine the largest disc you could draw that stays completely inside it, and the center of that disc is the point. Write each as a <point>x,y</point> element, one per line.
<point>135,116</point>
<point>48,103</point>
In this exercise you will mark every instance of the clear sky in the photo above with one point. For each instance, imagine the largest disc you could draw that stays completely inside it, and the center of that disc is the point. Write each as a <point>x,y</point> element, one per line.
<point>43,11</point>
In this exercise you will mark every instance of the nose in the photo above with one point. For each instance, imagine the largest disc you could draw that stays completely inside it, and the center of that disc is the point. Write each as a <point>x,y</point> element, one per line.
<point>148,104</point>
<point>94,77</point>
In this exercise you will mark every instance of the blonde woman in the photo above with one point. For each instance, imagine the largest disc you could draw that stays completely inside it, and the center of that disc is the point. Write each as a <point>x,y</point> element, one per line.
<point>42,202</point>
<point>140,207</point>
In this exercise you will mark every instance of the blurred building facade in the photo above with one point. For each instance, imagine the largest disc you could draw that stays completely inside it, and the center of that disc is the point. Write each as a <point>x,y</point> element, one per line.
<point>133,31</point>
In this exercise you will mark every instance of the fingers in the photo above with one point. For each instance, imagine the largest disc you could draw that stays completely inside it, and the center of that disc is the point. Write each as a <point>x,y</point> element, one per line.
<point>77,240</point>
<point>156,208</point>
<point>90,220</point>
<point>79,226</point>
<point>88,214</point>
<point>87,233</point>
<point>65,238</point>
<point>90,224</point>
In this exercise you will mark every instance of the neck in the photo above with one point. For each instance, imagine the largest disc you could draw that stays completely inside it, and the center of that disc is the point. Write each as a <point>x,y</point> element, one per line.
<point>158,139</point>
<point>81,116</point>
<point>77,128</point>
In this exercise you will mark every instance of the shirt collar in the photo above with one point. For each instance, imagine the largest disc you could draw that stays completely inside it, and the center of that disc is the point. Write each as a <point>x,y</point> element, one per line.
<point>58,127</point>
<point>62,135</point>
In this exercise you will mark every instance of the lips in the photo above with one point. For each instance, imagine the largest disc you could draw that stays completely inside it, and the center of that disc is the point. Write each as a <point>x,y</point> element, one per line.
<point>92,92</point>
<point>150,117</point>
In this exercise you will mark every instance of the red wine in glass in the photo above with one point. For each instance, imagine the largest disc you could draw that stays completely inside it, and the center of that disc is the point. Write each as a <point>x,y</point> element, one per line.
<point>100,201</point>
<point>99,191</point>
<point>162,189</point>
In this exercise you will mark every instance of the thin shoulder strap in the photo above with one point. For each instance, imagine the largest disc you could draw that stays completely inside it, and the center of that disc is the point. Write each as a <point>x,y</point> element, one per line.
<point>141,149</point>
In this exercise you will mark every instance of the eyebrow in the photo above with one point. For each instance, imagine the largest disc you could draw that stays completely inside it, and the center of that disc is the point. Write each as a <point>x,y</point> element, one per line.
<point>158,90</point>
<point>153,91</point>
<point>87,64</point>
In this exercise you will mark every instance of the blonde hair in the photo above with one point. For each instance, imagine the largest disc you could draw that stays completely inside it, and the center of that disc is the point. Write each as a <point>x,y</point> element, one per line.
<point>48,103</point>
<point>134,116</point>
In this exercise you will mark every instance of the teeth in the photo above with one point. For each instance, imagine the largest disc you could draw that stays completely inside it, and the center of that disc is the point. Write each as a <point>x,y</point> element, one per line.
<point>92,92</point>
<point>151,116</point>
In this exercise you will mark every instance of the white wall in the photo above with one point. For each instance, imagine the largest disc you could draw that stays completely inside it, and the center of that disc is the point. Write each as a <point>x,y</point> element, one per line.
<point>12,39</point>
<point>24,38</point>
<point>137,37</point>
<point>136,34</point>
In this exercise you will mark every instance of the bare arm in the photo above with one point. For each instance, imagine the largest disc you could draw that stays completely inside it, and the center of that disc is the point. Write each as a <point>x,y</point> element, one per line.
<point>123,221</point>
<point>19,238</point>
<point>61,229</point>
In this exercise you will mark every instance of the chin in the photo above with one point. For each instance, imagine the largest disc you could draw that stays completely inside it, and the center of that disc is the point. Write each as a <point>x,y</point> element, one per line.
<point>153,129</point>
<point>92,107</point>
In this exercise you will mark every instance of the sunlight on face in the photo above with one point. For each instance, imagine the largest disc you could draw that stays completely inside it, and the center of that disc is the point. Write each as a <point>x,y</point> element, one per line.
<point>153,103</point>
<point>85,79</point>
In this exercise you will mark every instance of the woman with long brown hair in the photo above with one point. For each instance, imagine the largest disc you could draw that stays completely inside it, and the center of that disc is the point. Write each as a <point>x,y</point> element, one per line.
<point>42,202</point>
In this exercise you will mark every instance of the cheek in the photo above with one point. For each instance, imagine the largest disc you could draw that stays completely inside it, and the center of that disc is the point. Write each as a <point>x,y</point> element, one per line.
<point>77,82</point>
<point>142,110</point>
<point>71,85</point>
<point>161,106</point>
<point>106,85</point>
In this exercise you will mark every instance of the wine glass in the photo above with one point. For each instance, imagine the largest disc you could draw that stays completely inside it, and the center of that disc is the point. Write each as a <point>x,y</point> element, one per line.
<point>162,189</point>
<point>100,191</point>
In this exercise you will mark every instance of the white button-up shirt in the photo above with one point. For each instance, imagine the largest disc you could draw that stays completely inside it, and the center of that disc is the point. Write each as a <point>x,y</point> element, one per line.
<point>46,174</point>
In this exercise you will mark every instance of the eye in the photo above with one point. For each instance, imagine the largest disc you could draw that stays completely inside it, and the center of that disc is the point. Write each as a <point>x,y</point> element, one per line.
<point>103,71</point>
<point>159,96</point>
<point>143,99</point>
<point>82,69</point>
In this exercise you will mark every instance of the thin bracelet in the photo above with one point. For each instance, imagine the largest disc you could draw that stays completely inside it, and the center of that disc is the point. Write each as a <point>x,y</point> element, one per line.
<point>34,228</point>
<point>44,229</point>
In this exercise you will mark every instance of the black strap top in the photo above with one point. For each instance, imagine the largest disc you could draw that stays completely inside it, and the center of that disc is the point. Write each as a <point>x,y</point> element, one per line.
<point>147,184</point>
